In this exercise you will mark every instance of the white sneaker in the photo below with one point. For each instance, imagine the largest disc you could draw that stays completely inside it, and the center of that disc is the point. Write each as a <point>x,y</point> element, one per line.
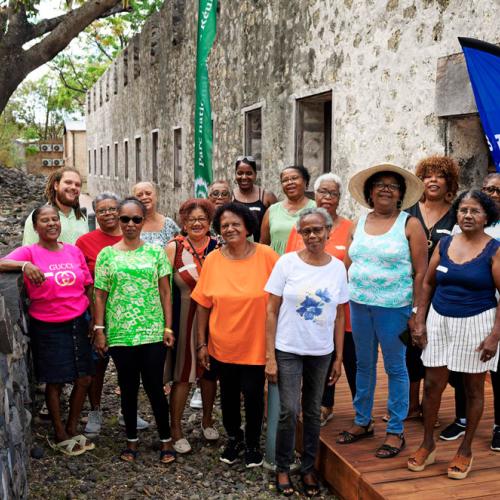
<point>141,423</point>
<point>94,422</point>
<point>196,401</point>
<point>182,446</point>
<point>210,433</point>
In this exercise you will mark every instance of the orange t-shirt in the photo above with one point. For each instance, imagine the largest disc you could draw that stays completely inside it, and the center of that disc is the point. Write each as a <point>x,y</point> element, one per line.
<point>234,290</point>
<point>336,245</point>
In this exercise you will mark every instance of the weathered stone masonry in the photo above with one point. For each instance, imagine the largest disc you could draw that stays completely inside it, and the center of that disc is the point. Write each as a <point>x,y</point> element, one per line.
<point>340,84</point>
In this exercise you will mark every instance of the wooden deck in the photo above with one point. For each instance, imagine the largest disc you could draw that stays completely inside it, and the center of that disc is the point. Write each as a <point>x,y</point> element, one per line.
<point>353,472</point>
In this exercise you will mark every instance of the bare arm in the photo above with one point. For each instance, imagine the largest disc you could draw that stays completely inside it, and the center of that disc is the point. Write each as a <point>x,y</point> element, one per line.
<point>170,249</point>
<point>338,335</point>
<point>101,297</point>
<point>166,304</point>
<point>350,236</point>
<point>488,347</point>
<point>31,271</point>
<point>265,232</point>
<point>273,309</point>
<point>203,314</point>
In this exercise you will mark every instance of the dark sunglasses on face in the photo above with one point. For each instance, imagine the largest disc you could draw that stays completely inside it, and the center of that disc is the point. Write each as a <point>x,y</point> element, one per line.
<point>219,194</point>
<point>491,190</point>
<point>136,219</point>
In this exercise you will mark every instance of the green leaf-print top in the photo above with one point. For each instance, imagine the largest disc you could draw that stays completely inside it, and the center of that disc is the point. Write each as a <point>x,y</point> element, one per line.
<point>134,315</point>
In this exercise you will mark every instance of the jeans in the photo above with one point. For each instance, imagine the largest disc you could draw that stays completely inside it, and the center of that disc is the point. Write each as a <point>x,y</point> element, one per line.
<point>372,325</point>
<point>236,379</point>
<point>293,371</point>
<point>147,362</point>
<point>349,362</point>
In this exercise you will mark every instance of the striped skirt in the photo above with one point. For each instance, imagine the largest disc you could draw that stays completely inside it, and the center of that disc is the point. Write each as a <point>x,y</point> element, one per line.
<point>452,342</point>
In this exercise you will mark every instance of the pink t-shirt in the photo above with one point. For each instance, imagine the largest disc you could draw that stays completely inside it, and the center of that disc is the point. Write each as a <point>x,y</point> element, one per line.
<point>61,297</point>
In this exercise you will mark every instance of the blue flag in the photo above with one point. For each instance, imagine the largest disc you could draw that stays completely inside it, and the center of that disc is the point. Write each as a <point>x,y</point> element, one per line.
<point>483,64</point>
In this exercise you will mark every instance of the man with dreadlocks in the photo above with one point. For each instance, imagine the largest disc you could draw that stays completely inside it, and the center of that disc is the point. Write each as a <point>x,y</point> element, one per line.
<point>62,191</point>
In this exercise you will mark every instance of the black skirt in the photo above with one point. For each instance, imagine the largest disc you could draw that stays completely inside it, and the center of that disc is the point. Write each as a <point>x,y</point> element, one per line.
<point>61,351</point>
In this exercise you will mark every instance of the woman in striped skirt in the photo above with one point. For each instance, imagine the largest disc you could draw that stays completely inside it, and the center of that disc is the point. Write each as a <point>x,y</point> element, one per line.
<point>463,324</point>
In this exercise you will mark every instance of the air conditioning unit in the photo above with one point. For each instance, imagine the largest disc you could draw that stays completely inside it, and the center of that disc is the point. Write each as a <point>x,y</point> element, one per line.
<point>57,148</point>
<point>58,163</point>
<point>47,162</point>
<point>45,148</point>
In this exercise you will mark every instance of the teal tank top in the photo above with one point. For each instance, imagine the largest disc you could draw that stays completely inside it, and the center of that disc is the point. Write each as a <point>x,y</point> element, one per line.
<point>381,269</point>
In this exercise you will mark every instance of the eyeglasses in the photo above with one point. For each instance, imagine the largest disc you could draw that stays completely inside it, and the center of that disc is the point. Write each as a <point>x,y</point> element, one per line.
<point>194,220</point>
<point>326,192</point>
<point>382,185</point>
<point>473,211</point>
<point>246,158</point>
<point>491,190</point>
<point>316,230</point>
<point>110,210</point>
<point>219,194</point>
<point>293,178</point>
<point>136,219</point>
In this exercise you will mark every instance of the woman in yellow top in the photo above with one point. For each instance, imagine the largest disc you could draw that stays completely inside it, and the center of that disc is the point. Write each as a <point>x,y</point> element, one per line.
<point>232,301</point>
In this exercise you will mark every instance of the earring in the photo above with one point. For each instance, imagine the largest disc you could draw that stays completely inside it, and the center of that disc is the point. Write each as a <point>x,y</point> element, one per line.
<point>399,204</point>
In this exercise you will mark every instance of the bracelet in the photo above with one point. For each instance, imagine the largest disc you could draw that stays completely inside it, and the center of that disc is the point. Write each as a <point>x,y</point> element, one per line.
<point>201,346</point>
<point>99,327</point>
<point>24,265</point>
<point>169,330</point>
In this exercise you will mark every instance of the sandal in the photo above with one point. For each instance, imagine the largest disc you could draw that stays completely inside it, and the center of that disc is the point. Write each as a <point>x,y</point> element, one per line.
<point>285,489</point>
<point>310,489</point>
<point>347,437</point>
<point>67,447</point>
<point>421,459</point>
<point>388,451</point>
<point>325,416</point>
<point>129,455</point>
<point>167,456</point>
<point>85,443</point>
<point>460,467</point>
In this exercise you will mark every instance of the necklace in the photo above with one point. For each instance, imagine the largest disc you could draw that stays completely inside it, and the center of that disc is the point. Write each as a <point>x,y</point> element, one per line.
<point>202,253</point>
<point>428,229</point>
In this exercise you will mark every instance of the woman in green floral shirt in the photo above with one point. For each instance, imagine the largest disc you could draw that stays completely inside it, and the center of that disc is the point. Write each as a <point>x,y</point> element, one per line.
<point>133,317</point>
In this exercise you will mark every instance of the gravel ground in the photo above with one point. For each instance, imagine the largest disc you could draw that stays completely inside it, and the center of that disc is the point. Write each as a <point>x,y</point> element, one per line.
<point>99,473</point>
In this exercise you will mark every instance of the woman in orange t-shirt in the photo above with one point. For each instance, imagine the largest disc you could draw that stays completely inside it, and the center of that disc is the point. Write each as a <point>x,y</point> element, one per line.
<point>232,301</point>
<point>327,191</point>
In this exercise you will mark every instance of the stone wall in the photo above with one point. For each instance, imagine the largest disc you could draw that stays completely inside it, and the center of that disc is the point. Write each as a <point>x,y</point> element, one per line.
<point>377,58</point>
<point>15,417</point>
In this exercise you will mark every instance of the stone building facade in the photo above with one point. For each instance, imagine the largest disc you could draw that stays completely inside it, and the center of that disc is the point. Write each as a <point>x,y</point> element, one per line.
<point>75,148</point>
<point>332,84</point>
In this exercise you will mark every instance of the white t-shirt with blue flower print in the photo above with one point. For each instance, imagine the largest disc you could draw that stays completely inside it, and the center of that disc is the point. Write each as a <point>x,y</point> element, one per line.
<point>310,296</point>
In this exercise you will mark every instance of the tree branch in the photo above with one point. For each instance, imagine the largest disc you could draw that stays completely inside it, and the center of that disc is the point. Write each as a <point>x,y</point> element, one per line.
<point>103,50</point>
<point>65,82</point>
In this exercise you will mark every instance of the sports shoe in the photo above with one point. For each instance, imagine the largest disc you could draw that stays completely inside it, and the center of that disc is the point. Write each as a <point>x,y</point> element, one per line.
<point>495,441</point>
<point>232,451</point>
<point>253,458</point>
<point>453,431</point>
<point>196,401</point>
<point>141,423</point>
<point>94,422</point>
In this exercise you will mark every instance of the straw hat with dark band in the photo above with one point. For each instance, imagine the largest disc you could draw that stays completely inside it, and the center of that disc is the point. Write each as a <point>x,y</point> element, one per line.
<point>414,186</point>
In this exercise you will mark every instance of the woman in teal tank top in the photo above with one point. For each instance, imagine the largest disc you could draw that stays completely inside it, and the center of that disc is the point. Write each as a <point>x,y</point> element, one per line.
<point>387,259</point>
<point>282,216</point>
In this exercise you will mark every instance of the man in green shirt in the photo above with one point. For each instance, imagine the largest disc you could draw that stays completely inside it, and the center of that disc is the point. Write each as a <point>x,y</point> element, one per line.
<point>62,191</point>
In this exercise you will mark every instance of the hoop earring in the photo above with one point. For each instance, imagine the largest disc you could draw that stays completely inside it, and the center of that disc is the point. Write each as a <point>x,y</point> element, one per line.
<point>449,197</point>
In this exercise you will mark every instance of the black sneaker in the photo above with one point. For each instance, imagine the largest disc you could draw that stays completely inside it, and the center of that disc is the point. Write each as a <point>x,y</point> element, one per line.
<point>495,441</point>
<point>232,451</point>
<point>453,431</point>
<point>253,458</point>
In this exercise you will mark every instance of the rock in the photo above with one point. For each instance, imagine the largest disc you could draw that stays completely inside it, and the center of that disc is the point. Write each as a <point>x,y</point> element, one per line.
<point>37,452</point>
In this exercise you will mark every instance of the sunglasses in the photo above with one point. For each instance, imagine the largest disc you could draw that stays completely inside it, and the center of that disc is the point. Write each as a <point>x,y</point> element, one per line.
<point>219,194</point>
<point>246,158</point>
<point>136,219</point>
<point>491,190</point>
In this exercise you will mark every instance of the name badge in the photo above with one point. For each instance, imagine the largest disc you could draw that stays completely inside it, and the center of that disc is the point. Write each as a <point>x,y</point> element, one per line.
<point>443,231</point>
<point>340,247</point>
<point>442,269</point>
<point>187,267</point>
<point>255,209</point>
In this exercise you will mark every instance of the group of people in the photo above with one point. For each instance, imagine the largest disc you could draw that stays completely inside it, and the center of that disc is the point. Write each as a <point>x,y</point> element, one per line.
<point>247,288</point>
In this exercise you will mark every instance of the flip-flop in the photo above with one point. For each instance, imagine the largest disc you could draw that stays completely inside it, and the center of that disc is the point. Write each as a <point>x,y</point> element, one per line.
<point>182,446</point>
<point>167,456</point>
<point>129,455</point>
<point>85,443</point>
<point>325,417</point>
<point>421,459</point>
<point>67,447</point>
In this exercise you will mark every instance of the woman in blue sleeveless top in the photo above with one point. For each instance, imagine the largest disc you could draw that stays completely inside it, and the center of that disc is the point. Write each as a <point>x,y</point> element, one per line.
<point>463,325</point>
<point>387,259</point>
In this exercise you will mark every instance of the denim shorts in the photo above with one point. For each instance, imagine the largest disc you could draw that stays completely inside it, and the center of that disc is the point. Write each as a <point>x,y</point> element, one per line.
<point>61,351</point>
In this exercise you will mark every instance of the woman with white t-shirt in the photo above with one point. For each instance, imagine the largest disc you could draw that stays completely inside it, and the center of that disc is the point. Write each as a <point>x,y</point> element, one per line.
<point>305,314</point>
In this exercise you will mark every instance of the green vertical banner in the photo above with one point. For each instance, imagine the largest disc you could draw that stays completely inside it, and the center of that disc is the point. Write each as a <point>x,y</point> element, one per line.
<point>207,28</point>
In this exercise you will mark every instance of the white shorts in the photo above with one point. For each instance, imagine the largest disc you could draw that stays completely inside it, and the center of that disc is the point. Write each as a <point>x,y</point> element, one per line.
<point>452,342</point>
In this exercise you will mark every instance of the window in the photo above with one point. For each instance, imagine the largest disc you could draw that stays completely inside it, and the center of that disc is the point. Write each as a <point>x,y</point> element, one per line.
<point>313,133</point>
<point>154,44</point>
<point>100,93</point>
<point>89,104</point>
<point>108,161</point>
<point>95,162</point>
<point>107,85</point>
<point>125,67</point>
<point>116,159</point>
<point>115,78</point>
<point>138,176</point>
<point>125,157</point>
<point>253,135</point>
<point>137,56</point>
<point>100,162</point>
<point>178,157</point>
<point>89,163</point>
<point>154,155</point>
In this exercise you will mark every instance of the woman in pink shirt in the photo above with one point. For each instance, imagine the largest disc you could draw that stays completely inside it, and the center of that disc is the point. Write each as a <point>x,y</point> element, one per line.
<point>58,284</point>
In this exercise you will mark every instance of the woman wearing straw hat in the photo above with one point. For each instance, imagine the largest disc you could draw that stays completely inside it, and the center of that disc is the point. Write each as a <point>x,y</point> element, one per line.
<point>387,259</point>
